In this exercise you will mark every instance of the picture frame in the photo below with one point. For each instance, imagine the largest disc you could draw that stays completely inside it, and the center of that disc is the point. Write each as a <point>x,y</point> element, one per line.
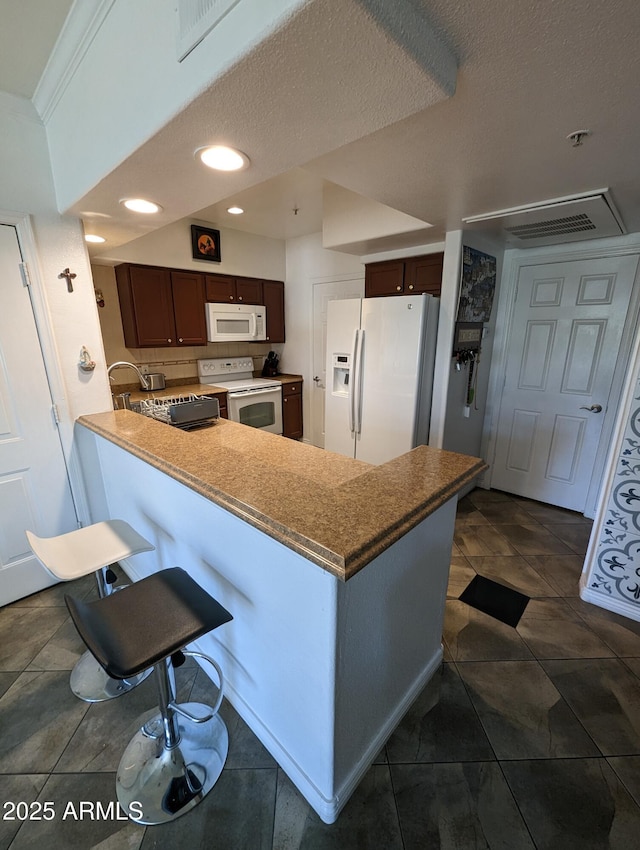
<point>205,243</point>
<point>477,286</point>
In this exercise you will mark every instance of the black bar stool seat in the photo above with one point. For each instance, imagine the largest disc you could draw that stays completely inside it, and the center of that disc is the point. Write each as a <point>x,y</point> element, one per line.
<point>146,622</point>
<point>175,759</point>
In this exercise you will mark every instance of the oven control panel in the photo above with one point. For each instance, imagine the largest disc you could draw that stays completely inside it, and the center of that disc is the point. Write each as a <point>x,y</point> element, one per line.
<point>220,367</point>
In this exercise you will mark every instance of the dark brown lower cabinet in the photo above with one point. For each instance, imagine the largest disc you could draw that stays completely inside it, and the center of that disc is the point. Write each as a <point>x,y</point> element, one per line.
<point>222,401</point>
<point>292,410</point>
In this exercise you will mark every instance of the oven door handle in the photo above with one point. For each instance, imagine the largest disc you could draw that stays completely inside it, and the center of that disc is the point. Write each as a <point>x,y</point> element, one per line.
<point>254,393</point>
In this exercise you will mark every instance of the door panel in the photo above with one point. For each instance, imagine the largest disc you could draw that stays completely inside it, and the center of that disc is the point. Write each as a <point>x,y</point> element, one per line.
<point>564,452</point>
<point>34,487</point>
<point>583,356</point>
<point>561,355</point>
<point>322,294</point>
<point>16,509</point>
<point>521,440</point>
<point>343,320</point>
<point>536,355</point>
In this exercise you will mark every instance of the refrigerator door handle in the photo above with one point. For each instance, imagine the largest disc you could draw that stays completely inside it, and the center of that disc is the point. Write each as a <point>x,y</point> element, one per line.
<point>351,396</point>
<point>357,391</point>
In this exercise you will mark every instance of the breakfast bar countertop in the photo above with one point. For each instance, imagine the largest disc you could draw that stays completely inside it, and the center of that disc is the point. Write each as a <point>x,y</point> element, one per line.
<point>337,512</point>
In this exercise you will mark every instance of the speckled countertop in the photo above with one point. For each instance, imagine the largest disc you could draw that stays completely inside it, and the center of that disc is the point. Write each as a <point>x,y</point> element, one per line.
<point>184,388</point>
<point>338,512</point>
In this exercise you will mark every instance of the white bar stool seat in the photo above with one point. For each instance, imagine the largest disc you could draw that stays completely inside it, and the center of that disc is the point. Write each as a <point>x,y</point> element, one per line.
<point>93,549</point>
<point>86,550</point>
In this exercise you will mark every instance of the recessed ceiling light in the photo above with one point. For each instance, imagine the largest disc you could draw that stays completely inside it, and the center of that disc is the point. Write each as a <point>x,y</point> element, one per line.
<point>235,210</point>
<point>140,205</point>
<point>93,237</point>
<point>223,158</point>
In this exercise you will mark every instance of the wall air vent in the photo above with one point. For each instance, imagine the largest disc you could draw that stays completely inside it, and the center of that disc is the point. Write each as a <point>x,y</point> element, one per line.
<point>571,219</point>
<point>196,19</point>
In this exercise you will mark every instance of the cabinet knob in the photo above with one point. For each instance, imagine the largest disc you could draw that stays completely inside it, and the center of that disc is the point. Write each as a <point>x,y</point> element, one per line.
<point>239,297</point>
<point>168,340</point>
<point>410,286</point>
<point>180,339</point>
<point>285,400</point>
<point>231,298</point>
<point>398,288</point>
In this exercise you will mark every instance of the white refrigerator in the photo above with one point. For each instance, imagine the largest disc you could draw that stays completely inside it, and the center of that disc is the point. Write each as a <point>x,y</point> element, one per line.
<point>380,359</point>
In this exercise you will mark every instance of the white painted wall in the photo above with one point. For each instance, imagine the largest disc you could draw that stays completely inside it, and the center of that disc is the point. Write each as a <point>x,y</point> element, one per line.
<point>26,186</point>
<point>308,263</point>
<point>241,253</point>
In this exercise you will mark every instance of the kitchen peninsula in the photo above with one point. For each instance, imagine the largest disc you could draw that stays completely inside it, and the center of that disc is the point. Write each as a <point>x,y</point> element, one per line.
<point>335,572</point>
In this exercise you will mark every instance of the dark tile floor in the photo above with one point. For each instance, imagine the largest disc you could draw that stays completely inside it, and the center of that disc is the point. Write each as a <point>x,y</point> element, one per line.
<point>534,742</point>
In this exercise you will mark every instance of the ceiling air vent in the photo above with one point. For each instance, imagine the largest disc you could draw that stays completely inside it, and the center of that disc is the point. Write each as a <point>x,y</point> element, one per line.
<point>196,19</point>
<point>562,220</point>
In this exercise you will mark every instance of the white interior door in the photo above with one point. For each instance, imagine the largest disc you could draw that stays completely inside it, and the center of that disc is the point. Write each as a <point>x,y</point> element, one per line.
<point>561,355</point>
<point>34,487</point>
<point>322,294</point>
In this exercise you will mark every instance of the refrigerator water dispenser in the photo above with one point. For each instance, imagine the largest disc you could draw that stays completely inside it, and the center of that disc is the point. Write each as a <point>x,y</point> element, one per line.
<point>341,369</point>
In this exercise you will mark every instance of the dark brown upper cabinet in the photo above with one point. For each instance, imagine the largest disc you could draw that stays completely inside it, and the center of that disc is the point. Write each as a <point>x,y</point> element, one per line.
<point>161,307</point>
<point>223,288</point>
<point>411,276</point>
<point>273,300</point>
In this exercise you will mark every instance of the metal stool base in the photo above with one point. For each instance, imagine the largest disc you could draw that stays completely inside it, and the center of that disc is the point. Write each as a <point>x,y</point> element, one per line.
<point>166,783</point>
<point>90,683</point>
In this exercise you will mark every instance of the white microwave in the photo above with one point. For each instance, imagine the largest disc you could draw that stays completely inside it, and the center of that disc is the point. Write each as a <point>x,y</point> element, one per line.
<point>236,322</point>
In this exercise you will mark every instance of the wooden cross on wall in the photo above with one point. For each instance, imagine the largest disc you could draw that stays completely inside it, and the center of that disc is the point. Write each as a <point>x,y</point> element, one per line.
<point>70,276</point>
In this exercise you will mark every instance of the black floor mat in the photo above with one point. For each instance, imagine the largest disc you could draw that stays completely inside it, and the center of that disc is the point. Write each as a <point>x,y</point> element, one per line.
<point>495,599</point>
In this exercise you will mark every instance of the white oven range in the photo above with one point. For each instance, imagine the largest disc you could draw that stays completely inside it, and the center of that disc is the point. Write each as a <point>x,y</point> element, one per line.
<point>251,401</point>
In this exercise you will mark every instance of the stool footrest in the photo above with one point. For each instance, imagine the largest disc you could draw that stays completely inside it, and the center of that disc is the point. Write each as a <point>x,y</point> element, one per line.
<point>187,714</point>
<point>216,706</point>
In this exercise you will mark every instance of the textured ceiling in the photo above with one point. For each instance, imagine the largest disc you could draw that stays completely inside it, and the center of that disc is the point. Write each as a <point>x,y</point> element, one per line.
<point>528,75</point>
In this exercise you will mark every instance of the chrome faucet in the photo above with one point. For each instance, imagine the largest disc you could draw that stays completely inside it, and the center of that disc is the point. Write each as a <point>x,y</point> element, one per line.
<point>143,381</point>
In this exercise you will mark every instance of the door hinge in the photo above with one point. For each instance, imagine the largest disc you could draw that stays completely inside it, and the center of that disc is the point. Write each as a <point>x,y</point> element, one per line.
<point>24,272</point>
<point>56,413</point>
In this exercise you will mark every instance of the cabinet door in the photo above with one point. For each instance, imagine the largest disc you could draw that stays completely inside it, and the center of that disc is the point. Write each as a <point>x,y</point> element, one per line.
<point>222,401</point>
<point>292,410</point>
<point>423,274</point>
<point>249,290</point>
<point>188,307</point>
<point>146,305</point>
<point>386,278</point>
<point>273,299</point>
<point>220,287</point>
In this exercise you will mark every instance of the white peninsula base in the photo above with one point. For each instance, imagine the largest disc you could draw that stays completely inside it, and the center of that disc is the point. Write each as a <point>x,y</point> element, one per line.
<point>322,670</point>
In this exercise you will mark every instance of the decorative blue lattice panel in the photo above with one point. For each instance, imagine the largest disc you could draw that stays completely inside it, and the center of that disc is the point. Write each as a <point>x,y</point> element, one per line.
<point>631,440</point>
<point>616,572</point>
